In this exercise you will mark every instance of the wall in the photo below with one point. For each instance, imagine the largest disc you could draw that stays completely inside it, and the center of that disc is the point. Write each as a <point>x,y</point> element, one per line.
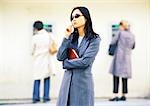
<point>16,31</point>
<point>1,37</point>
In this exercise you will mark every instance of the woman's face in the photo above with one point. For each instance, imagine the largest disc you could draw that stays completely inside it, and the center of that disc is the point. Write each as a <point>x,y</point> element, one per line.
<point>78,20</point>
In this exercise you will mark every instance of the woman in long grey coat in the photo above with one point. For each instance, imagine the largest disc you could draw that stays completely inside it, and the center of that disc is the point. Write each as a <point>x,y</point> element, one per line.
<point>121,64</point>
<point>77,88</point>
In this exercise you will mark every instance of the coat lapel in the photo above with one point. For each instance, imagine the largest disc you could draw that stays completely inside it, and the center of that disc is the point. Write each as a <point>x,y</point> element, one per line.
<point>84,44</point>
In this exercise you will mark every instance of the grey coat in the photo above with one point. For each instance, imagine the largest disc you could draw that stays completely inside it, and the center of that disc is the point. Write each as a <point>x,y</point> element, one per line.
<point>121,64</point>
<point>77,86</point>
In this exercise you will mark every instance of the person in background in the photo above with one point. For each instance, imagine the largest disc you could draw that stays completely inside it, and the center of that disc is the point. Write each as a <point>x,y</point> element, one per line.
<point>121,64</point>
<point>41,61</point>
<point>77,88</point>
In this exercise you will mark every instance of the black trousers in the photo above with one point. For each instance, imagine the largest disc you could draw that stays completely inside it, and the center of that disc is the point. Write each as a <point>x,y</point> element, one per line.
<point>116,84</point>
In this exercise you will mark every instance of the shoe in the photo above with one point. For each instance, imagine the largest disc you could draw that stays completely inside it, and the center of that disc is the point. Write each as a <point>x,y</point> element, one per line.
<point>114,99</point>
<point>35,100</point>
<point>123,98</point>
<point>46,100</point>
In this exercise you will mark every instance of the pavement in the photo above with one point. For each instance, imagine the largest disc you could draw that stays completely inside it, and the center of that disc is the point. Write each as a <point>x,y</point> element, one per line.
<point>98,102</point>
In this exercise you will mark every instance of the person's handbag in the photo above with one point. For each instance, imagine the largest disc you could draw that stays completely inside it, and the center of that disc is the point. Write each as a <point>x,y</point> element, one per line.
<point>53,48</point>
<point>112,47</point>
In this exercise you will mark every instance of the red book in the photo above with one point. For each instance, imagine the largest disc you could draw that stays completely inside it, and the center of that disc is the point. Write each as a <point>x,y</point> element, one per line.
<point>72,54</point>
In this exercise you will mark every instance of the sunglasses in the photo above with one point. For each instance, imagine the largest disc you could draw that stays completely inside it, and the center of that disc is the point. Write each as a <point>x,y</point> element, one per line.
<point>76,16</point>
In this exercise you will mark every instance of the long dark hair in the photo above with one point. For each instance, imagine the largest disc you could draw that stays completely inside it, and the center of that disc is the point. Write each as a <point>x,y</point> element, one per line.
<point>88,29</point>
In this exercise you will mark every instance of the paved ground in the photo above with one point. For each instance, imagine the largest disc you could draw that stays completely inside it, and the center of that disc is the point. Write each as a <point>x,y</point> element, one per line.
<point>98,102</point>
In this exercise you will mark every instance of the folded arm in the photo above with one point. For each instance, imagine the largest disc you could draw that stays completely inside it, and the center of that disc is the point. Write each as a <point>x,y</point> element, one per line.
<point>87,58</point>
<point>62,52</point>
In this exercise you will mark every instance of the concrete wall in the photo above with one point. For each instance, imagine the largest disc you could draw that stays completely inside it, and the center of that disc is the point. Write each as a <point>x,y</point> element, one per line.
<point>18,16</point>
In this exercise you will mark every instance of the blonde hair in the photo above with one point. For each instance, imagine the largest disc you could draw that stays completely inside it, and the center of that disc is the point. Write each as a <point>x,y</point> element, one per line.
<point>124,24</point>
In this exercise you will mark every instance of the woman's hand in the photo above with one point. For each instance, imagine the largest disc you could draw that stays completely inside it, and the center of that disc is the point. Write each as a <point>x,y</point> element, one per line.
<point>68,31</point>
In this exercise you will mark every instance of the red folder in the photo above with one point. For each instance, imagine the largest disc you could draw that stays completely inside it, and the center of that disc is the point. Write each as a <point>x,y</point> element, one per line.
<point>72,54</point>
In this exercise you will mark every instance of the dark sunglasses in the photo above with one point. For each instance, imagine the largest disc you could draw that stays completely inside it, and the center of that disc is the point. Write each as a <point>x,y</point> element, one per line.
<point>76,16</point>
